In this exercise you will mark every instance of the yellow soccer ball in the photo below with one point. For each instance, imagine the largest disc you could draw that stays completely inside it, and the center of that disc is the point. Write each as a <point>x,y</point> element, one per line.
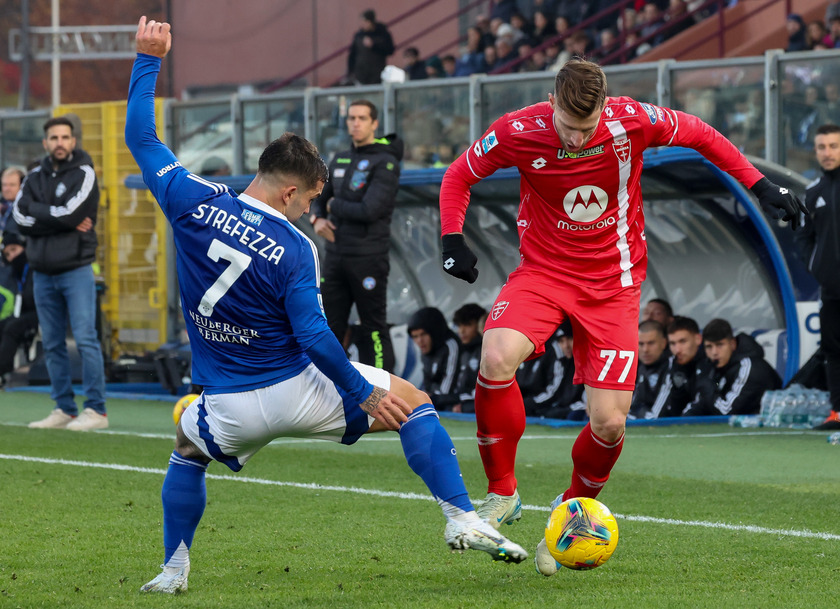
<point>181,406</point>
<point>581,533</point>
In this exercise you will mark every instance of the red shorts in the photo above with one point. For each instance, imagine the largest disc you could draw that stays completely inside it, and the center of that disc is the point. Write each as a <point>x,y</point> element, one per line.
<point>605,323</point>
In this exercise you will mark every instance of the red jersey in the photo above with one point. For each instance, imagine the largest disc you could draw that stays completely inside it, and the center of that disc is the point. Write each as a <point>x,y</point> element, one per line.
<point>580,214</point>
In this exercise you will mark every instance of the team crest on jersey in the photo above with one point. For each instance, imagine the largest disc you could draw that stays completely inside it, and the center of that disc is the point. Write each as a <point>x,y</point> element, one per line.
<point>565,154</point>
<point>364,164</point>
<point>585,204</point>
<point>252,217</point>
<point>651,112</point>
<point>368,283</point>
<point>622,150</point>
<point>498,309</point>
<point>339,172</point>
<point>60,190</point>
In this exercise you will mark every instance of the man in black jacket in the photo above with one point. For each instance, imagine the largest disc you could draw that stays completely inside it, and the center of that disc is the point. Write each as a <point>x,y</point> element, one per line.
<point>370,48</point>
<point>467,319</point>
<point>57,211</point>
<point>740,375</point>
<point>818,243</point>
<point>686,366</point>
<point>353,214</point>
<point>653,367</point>
<point>439,350</point>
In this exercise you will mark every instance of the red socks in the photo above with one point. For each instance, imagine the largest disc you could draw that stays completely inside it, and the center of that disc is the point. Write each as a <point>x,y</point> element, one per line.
<point>500,415</point>
<point>593,460</point>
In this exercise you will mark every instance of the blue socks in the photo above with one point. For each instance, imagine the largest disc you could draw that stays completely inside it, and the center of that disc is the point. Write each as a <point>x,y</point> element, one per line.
<point>184,496</point>
<point>431,455</point>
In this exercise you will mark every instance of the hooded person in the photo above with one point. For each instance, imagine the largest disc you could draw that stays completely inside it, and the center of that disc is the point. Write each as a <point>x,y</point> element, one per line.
<point>18,316</point>
<point>440,352</point>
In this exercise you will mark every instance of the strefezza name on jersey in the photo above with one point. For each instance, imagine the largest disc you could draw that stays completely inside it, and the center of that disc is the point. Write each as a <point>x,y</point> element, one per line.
<point>248,235</point>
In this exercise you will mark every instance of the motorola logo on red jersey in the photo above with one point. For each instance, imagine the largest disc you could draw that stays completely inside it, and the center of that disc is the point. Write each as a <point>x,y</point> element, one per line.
<point>585,204</point>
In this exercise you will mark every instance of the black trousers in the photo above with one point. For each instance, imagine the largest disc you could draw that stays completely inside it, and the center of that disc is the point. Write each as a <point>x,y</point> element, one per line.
<point>14,332</point>
<point>830,343</point>
<point>362,280</point>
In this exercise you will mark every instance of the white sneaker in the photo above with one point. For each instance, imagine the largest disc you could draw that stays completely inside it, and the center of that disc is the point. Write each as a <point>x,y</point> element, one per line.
<point>479,535</point>
<point>544,561</point>
<point>170,581</point>
<point>88,420</point>
<point>500,509</point>
<point>57,419</point>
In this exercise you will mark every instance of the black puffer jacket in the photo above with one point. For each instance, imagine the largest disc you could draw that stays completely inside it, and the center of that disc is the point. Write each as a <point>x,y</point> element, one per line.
<point>362,192</point>
<point>52,203</point>
<point>440,365</point>
<point>818,239</point>
<point>737,387</point>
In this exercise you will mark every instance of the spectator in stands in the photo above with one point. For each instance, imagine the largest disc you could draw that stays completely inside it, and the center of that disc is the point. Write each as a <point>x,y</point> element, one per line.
<point>369,51</point>
<point>10,182</point>
<point>522,28</point>
<point>490,58</point>
<point>575,45</point>
<point>543,28</point>
<point>795,26</point>
<point>817,34</point>
<point>688,362</point>
<point>505,52</point>
<point>676,19</point>
<point>434,67</point>
<point>739,377</point>
<point>18,316</point>
<point>658,309</point>
<point>608,44</point>
<point>440,351</point>
<point>503,10</point>
<point>415,68</point>
<point>466,319</point>
<point>562,24</point>
<point>817,247</point>
<point>652,23</point>
<point>488,38</point>
<point>653,367</point>
<point>471,60</point>
<point>448,65</point>
<point>834,32</point>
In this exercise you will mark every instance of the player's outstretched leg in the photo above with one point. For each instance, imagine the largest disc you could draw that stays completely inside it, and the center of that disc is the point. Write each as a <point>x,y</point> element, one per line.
<point>184,496</point>
<point>431,455</point>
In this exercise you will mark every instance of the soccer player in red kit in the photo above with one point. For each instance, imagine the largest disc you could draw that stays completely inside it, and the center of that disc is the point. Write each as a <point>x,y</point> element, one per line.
<point>582,256</point>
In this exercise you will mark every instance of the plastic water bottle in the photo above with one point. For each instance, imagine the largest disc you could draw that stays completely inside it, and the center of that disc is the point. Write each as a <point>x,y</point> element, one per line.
<point>834,438</point>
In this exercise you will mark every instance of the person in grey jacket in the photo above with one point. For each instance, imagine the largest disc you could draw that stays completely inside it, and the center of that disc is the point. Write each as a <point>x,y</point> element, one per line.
<point>818,244</point>
<point>56,210</point>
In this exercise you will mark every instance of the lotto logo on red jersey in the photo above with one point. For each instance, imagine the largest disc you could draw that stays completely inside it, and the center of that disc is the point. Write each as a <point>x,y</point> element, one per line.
<point>585,204</point>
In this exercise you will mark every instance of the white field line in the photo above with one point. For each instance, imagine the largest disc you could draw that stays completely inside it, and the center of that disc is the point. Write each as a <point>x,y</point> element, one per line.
<point>805,533</point>
<point>392,437</point>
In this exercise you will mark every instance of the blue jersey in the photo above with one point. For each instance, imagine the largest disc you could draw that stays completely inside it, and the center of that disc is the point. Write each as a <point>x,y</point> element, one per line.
<point>249,279</point>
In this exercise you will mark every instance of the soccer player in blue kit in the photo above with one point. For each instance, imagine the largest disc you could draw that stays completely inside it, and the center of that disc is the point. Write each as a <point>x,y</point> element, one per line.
<point>261,346</point>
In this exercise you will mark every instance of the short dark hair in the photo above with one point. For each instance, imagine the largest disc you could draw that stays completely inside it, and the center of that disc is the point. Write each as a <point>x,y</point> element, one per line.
<point>664,304</point>
<point>468,313</point>
<point>827,129</point>
<point>717,330</point>
<point>580,87</point>
<point>412,52</point>
<point>369,15</point>
<point>374,113</point>
<point>292,155</point>
<point>651,325</point>
<point>58,120</point>
<point>683,323</point>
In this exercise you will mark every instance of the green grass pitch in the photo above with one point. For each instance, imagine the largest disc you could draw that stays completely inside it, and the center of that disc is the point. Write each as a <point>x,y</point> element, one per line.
<point>709,516</point>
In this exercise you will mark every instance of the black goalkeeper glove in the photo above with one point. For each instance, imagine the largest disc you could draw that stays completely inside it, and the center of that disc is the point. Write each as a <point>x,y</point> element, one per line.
<point>778,201</point>
<point>458,259</point>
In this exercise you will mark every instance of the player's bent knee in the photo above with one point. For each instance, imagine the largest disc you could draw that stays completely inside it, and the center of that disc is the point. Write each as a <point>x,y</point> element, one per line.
<point>411,394</point>
<point>609,429</point>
